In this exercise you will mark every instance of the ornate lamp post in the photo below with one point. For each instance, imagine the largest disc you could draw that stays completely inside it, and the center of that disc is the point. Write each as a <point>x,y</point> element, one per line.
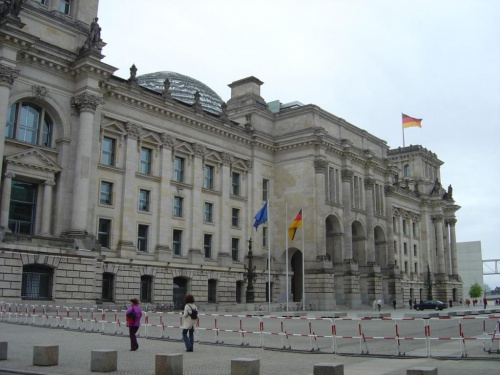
<point>250,274</point>
<point>428,283</point>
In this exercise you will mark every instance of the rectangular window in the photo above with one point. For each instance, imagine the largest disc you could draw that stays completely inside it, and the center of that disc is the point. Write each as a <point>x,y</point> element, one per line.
<point>415,250</point>
<point>178,206</point>
<point>235,244</point>
<point>264,236</point>
<point>235,218</point>
<point>22,207</point>
<point>108,151</point>
<point>106,193</point>
<point>406,268</point>
<point>178,169</point>
<point>104,232</point>
<point>207,245</point>
<point>209,212</point>
<point>146,288</point>
<point>415,268</point>
<point>208,182</point>
<point>414,229</point>
<point>235,188</point>
<point>405,248</point>
<point>265,189</point>
<point>143,200</point>
<point>404,226</point>
<point>64,6</point>
<point>146,158</point>
<point>177,242</point>
<point>108,290</point>
<point>142,237</point>
<point>395,247</point>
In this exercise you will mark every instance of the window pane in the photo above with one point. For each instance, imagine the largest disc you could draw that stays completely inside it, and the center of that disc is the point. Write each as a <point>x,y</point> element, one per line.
<point>108,151</point>
<point>143,200</point>
<point>235,244</point>
<point>179,169</point>
<point>47,131</point>
<point>145,161</point>
<point>142,238</point>
<point>208,212</point>
<point>209,177</point>
<point>207,245</point>
<point>235,221</point>
<point>177,242</point>
<point>104,231</point>
<point>236,184</point>
<point>11,121</point>
<point>178,206</point>
<point>22,207</point>
<point>28,124</point>
<point>106,192</point>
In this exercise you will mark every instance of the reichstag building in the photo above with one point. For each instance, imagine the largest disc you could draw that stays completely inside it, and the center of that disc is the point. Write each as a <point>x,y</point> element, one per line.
<point>147,186</point>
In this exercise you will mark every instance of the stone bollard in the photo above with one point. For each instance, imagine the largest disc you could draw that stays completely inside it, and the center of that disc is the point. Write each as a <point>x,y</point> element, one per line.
<point>103,360</point>
<point>3,350</point>
<point>422,371</point>
<point>45,355</point>
<point>245,366</point>
<point>328,369</point>
<point>169,364</point>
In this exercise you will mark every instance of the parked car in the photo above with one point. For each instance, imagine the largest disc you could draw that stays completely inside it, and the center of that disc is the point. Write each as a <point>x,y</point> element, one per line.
<point>433,305</point>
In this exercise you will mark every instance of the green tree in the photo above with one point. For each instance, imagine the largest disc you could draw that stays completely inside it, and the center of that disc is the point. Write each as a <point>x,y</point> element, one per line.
<point>475,291</point>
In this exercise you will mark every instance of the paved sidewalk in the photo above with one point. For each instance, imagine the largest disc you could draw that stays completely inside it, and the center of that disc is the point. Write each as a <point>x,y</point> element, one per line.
<point>75,348</point>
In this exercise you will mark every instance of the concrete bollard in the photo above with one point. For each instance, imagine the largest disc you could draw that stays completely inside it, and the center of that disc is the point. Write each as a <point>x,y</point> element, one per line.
<point>328,369</point>
<point>169,364</point>
<point>245,366</point>
<point>45,355</point>
<point>103,360</point>
<point>3,350</point>
<point>422,371</point>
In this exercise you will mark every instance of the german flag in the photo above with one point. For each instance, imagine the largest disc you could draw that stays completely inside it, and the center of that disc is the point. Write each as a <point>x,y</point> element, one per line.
<point>409,122</point>
<point>297,223</point>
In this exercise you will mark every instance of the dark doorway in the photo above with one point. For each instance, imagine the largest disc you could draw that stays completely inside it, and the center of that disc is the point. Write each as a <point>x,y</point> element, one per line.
<point>180,290</point>
<point>296,263</point>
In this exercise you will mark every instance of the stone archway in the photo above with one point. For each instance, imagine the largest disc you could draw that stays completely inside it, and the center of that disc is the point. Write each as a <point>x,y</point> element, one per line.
<point>297,276</point>
<point>333,233</point>
<point>358,243</point>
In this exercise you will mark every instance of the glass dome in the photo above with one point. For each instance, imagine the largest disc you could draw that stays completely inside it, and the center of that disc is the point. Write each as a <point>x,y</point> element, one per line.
<point>183,89</point>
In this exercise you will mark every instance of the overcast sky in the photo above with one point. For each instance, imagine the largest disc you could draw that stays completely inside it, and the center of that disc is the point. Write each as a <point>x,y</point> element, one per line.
<point>363,60</point>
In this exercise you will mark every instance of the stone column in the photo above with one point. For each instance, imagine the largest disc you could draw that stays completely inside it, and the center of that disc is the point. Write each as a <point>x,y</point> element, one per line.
<point>164,242</point>
<point>389,191</point>
<point>86,105</point>
<point>7,77</point>
<point>453,247</point>
<point>370,256</point>
<point>438,227</point>
<point>346,175</point>
<point>47,207</point>
<point>197,204</point>
<point>320,167</point>
<point>5,206</point>
<point>446,245</point>
<point>127,242</point>
<point>225,209</point>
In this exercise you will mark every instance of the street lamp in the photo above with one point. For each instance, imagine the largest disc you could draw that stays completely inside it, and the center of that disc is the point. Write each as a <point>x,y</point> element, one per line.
<point>250,274</point>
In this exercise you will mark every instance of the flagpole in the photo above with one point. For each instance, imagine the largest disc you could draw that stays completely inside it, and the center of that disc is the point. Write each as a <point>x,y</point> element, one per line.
<point>269,256</point>
<point>303,269</point>
<point>403,127</point>
<point>286,252</point>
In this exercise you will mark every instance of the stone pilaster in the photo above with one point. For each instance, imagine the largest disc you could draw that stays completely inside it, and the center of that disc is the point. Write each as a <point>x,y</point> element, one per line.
<point>197,204</point>
<point>86,105</point>
<point>453,247</point>
<point>347,175</point>
<point>7,77</point>
<point>48,187</point>
<point>320,168</point>
<point>438,227</point>
<point>127,242</point>
<point>370,256</point>
<point>5,206</point>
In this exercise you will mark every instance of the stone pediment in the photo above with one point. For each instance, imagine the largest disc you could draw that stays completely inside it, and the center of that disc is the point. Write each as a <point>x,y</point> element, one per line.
<point>33,159</point>
<point>151,137</point>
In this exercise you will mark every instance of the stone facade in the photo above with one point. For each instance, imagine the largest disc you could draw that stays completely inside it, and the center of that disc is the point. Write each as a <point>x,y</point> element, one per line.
<point>112,191</point>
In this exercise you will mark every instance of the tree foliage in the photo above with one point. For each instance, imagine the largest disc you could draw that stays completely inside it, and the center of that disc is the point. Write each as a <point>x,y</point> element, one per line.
<point>475,291</point>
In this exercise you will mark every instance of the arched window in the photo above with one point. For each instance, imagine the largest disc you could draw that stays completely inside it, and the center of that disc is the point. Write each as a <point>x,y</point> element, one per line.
<point>37,282</point>
<point>406,170</point>
<point>29,123</point>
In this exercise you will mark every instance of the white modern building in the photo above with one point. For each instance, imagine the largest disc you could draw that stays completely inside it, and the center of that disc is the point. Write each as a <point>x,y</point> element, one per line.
<point>470,264</point>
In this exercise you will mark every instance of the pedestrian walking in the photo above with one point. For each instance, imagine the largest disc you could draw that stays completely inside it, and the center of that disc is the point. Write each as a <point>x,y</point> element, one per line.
<point>133,318</point>
<point>394,303</point>
<point>189,319</point>
<point>410,304</point>
<point>485,302</point>
<point>379,304</point>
